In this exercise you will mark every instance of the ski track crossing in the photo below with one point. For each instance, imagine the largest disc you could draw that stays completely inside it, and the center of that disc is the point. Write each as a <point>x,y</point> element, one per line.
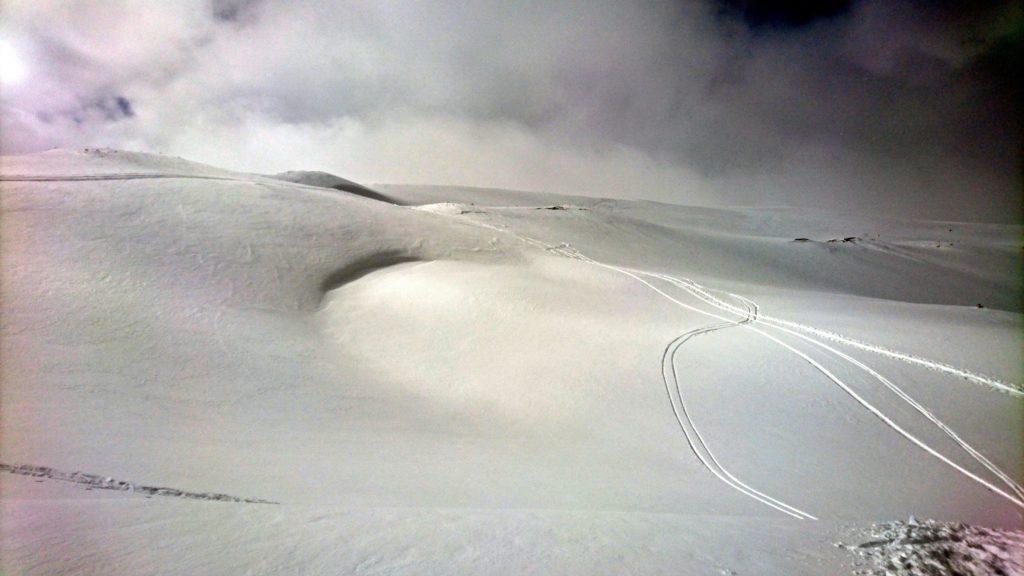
<point>751,315</point>
<point>689,428</point>
<point>1013,485</point>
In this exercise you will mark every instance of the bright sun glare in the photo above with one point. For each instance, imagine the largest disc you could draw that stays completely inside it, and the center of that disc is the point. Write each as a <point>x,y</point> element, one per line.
<point>12,70</point>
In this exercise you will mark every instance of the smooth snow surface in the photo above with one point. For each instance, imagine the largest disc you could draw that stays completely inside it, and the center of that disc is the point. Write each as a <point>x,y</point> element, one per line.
<point>481,381</point>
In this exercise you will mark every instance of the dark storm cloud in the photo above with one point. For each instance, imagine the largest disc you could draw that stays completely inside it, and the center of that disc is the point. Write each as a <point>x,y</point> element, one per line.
<point>234,10</point>
<point>109,109</point>
<point>875,105</point>
<point>784,12</point>
<point>124,106</point>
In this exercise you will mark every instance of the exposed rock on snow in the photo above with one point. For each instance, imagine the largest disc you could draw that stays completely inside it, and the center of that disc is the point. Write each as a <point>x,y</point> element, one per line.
<point>96,481</point>
<point>933,548</point>
<point>560,207</point>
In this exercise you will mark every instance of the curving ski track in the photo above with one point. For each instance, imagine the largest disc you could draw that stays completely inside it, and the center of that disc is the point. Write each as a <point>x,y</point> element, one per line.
<point>693,436</point>
<point>1012,388</point>
<point>703,294</point>
<point>569,252</point>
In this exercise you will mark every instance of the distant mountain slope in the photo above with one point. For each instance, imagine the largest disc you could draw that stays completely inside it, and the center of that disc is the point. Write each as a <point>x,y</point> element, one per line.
<point>921,261</point>
<point>105,161</point>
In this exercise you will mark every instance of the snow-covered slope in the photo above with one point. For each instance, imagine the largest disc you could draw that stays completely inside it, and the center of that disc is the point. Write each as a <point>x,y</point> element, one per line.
<point>955,263</point>
<point>483,386</point>
<point>104,163</point>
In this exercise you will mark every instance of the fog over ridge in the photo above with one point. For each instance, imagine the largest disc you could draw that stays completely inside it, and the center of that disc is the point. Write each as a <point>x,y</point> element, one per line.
<point>891,107</point>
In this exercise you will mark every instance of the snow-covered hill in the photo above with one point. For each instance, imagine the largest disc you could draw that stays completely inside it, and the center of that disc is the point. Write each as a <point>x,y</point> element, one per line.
<point>482,381</point>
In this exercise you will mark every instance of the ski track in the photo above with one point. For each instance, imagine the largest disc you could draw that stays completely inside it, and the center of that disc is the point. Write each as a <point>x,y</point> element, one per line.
<point>572,253</point>
<point>693,436</point>
<point>1014,389</point>
<point>704,294</point>
<point>95,481</point>
<point>565,250</point>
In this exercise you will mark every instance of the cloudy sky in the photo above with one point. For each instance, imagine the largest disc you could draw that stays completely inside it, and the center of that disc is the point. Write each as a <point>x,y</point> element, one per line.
<point>894,106</point>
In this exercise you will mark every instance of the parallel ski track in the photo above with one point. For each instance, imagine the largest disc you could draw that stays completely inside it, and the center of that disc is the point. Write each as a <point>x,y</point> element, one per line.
<point>569,252</point>
<point>1017,498</point>
<point>693,436</point>
<point>705,295</point>
<point>1012,388</point>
